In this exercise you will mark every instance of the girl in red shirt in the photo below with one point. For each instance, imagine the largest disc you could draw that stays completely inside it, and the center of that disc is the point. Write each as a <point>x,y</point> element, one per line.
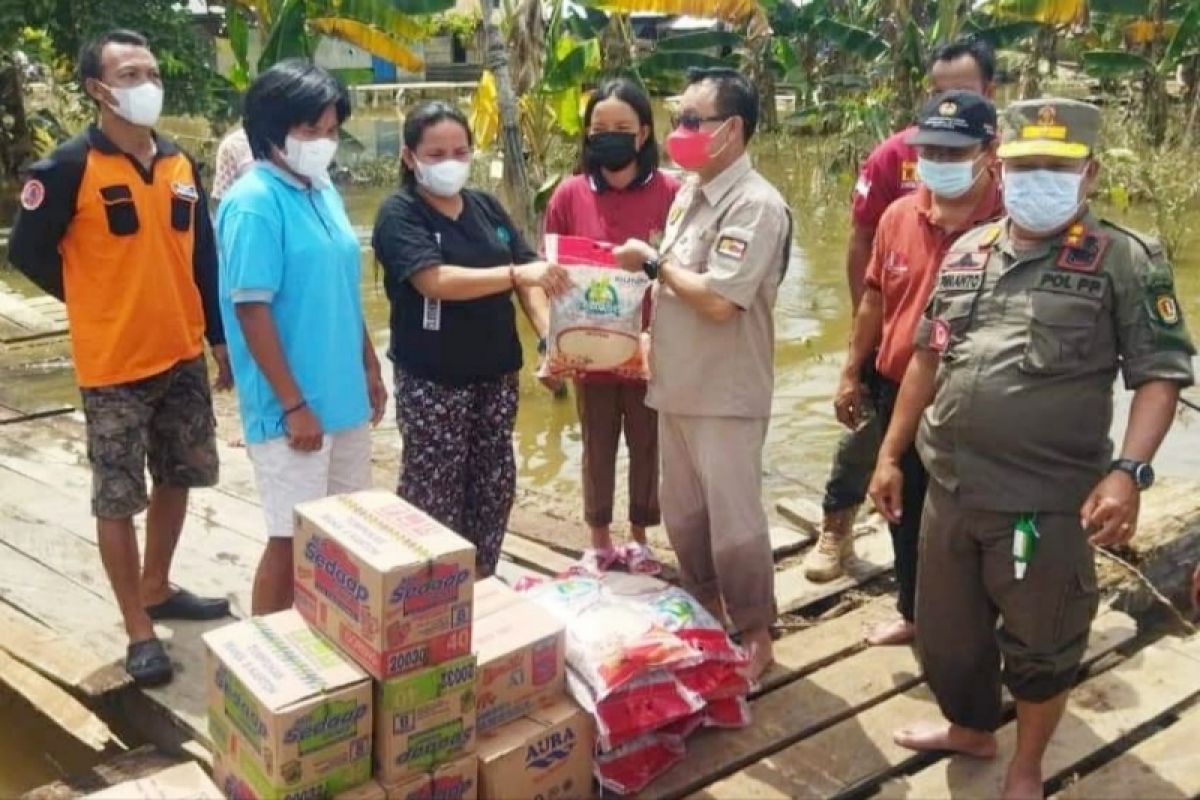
<point>617,194</point>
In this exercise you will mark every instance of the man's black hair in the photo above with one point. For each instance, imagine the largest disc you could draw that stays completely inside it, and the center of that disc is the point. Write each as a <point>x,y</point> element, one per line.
<point>632,95</point>
<point>736,95</point>
<point>91,55</point>
<point>292,92</point>
<point>420,119</point>
<point>978,49</point>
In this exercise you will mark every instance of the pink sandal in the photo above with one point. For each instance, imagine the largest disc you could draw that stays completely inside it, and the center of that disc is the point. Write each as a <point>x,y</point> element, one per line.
<point>595,562</point>
<point>640,559</point>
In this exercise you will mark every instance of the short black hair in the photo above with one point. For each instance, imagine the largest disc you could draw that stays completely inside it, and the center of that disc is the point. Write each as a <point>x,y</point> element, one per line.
<point>91,55</point>
<point>423,117</point>
<point>292,92</point>
<point>736,94</point>
<point>632,95</point>
<point>973,46</point>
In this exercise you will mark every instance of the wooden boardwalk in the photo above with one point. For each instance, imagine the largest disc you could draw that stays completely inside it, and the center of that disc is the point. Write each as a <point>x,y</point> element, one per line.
<point>24,319</point>
<point>822,720</point>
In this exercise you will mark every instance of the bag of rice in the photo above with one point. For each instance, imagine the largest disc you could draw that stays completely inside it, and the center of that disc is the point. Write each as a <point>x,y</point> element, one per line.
<point>597,325</point>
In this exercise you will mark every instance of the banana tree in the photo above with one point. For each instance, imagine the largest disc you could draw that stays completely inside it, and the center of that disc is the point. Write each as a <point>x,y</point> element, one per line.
<point>1053,17</point>
<point>1160,56</point>
<point>290,28</point>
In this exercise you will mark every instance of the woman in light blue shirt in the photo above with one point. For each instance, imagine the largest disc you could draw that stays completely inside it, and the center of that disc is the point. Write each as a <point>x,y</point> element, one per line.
<point>307,377</point>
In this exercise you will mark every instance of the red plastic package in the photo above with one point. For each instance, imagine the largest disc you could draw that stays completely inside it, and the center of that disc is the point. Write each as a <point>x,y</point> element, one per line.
<point>610,641</point>
<point>681,614</point>
<point>731,713</point>
<point>644,706</point>
<point>715,681</point>
<point>631,768</point>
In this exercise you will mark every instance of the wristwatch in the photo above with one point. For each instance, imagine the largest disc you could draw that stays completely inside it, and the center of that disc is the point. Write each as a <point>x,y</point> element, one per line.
<point>650,267</point>
<point>1141,472</point>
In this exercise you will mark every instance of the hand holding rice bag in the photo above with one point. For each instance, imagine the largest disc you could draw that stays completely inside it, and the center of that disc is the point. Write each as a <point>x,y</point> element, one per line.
<point>597,325</point>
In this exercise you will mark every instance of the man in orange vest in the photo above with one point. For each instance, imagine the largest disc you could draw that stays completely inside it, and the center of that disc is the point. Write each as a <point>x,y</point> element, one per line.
<point>115,223</point>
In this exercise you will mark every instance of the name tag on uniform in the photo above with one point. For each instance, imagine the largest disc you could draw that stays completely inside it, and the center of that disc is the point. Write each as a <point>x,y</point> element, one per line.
<point>960,281</point>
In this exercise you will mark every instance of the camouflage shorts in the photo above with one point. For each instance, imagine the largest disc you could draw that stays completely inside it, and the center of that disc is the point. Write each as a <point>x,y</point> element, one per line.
<point>164,422</point>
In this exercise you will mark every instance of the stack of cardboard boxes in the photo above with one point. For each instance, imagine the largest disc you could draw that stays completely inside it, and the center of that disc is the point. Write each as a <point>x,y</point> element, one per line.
<point>456,666</point>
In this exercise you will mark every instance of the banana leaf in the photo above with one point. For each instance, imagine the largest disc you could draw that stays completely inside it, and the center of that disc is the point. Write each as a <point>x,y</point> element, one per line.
<point>676,61</point>
<point>1124,8</point>
<point>1008,33</point>
<point>566,70</point>
<point>485,111</point>
<point>735,11</point>
<point>1048,12</point>
<point>1187,37</point>
<point>1115,64</point>
<point>421,6</point>
<point>371,39</point>
<point>381,14</point>
<point>858,41</point>
<point>288,37</point>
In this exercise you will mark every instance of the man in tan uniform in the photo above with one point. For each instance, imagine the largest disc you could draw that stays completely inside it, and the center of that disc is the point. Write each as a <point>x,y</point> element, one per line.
<point>1017,354</point>
<point>712,351</point>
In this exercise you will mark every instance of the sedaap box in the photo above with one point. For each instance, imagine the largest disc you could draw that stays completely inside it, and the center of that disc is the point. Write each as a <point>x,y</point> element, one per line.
<point>424,719</point>
<point>289,716</point>
<point>547,753</point>
<point>387,583</point>
<point>457,780</point>
<point>521,654</point>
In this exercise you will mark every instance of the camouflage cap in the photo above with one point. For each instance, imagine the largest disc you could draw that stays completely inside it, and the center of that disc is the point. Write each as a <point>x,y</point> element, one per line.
<point>1051,126</point>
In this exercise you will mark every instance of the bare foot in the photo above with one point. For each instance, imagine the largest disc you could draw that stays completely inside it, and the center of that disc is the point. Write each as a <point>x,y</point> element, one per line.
<point>898,631</point>
<point>939,737</point>
<point>762,653</point>
<point>1023,783</point>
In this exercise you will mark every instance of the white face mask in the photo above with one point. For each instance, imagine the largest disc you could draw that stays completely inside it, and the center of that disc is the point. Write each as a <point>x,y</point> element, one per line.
<point>1042,200</point>
<point>949,179</point>
<point>310,157</point>
<point>443,178</point>
<point>141,104</point>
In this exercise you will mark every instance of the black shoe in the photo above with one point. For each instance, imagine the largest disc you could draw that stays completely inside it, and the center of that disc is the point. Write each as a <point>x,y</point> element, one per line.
<point>182,604</point>
<point>147,663</point>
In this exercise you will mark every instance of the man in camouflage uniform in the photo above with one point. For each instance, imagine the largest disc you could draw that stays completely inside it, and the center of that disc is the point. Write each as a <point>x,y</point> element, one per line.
<point>1012,386</point>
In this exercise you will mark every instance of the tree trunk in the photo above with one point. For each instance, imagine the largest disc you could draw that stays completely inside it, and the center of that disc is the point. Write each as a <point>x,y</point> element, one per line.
<point>16,139</point>
<point>1155,82</point>
<point>515,180</point>
<point>617,44</point>
<point>1031,78</point>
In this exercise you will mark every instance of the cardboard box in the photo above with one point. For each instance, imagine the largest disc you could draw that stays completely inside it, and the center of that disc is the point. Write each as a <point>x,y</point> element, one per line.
<point>386,582</point>
<point>289,717</point>
<point>521,655</point>
<point>424,719</point>
<point>181,782</point>
<point>458,780</point>
<point>545,754</point>
<point>371,790</point>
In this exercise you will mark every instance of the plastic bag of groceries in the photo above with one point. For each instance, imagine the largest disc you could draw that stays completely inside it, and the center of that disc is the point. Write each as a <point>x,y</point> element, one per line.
<point>609,641</point>
<point>645,705</point>
<point>630,768</point>
<point>597,325</point>
<point>683,615</point>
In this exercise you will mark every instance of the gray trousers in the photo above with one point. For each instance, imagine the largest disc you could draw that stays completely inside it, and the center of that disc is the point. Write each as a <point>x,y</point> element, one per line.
<point>711,498</point>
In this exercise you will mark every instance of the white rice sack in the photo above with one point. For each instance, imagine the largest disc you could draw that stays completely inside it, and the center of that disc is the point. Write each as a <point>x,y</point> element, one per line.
<point>597,326</point>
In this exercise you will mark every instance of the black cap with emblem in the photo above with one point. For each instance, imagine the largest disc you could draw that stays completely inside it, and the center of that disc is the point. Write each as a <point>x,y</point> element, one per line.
<point>958,118</point>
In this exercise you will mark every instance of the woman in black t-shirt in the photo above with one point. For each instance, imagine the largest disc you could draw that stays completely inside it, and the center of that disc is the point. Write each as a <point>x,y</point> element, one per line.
<point>451,259</point>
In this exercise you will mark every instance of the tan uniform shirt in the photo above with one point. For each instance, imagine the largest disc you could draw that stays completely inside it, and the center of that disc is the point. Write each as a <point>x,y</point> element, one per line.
<point>735,229</point>
<point>1031,343</point>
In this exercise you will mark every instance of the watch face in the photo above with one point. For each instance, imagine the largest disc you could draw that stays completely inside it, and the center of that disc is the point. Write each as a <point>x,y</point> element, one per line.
<point>1144,475</point>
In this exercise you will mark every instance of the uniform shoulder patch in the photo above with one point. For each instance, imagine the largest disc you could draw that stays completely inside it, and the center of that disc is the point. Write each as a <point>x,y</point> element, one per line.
<point>731,247</point>
<point>1166,310</point>
<point>33,194</point>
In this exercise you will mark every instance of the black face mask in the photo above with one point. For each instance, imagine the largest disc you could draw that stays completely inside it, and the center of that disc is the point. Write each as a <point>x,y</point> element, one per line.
<point>612,150</point>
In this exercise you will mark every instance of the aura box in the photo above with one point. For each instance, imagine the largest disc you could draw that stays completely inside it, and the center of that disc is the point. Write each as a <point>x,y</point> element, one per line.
<point>386,582</point>
<point>289,716</point>
<point>547,753</point>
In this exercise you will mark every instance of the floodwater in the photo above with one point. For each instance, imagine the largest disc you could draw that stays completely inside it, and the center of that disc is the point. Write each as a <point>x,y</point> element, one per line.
<point>812,325</point>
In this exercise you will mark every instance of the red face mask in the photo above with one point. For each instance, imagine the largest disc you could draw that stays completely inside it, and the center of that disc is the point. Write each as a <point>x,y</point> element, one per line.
<point>690,149</point>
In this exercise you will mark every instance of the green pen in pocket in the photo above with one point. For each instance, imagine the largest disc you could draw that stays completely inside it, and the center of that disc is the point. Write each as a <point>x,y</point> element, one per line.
<point>1025,539</point>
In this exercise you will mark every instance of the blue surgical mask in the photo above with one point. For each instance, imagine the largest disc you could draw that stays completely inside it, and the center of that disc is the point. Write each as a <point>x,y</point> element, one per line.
<point>949,179</point>
<point>1042,200</point>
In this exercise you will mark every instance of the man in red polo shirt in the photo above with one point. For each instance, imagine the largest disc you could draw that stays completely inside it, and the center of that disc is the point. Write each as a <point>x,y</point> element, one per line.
<point>955,141</point>
<point>888,174</point>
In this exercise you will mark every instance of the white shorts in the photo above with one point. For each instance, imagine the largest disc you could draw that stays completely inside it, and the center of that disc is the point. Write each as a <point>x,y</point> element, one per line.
<point>286,476</point>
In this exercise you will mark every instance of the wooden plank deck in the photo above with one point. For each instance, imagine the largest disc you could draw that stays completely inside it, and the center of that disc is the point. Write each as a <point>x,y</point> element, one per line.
<point>823,715</point>
<point>24,319</point>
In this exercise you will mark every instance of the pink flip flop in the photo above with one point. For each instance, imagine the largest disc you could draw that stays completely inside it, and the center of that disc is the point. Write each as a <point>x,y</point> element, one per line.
<point>595,562</point>
<point>640,559</point>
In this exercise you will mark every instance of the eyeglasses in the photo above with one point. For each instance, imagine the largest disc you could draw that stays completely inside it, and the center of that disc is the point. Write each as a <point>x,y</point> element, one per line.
<point>692,122</point>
